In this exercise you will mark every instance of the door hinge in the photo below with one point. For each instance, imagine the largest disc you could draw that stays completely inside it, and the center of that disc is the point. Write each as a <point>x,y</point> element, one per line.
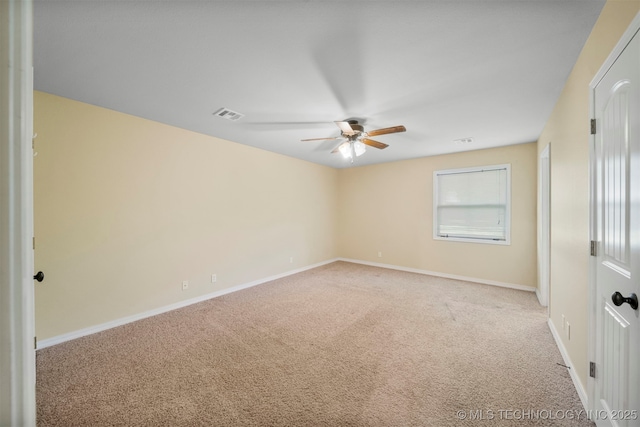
<point>35,343</point>
<point>594,248</point>
<point>592,369</point>
<point>593,126</point>
<point>34,243</point>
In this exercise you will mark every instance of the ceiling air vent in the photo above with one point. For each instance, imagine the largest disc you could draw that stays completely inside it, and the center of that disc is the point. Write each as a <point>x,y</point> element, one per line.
<point>225,113</point>
<point>463,141</point>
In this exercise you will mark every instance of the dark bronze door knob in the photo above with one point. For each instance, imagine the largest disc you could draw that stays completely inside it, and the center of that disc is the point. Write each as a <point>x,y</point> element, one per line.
<point>618,300</point>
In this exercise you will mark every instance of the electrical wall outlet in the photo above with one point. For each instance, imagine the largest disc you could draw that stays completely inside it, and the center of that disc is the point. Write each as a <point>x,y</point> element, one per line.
<point>291,260</point>
<point>185,285</point>
<point>214,278</point>
<point>379,254</point>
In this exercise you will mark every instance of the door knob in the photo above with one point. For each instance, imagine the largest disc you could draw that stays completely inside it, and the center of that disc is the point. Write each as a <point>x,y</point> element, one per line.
<point>39,276</point>
<point>618,300</point>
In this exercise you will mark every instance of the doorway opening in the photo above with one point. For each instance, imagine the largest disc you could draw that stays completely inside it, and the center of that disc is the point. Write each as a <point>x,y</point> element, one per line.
<point>544,223</point>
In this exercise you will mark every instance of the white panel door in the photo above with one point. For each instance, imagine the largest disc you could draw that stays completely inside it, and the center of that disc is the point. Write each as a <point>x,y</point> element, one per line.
<point>617,109</point>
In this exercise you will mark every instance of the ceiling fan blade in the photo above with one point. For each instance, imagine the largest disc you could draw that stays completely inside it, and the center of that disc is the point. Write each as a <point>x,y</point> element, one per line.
<point>321,139</point>
<point>373,143</point>
<point>337,149</point>
<point>385,131</point>
<point>346,128</point>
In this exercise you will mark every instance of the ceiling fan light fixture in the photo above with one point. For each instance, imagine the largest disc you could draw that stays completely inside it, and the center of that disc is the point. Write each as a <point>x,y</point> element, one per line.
<point>345,149</point>
<point>359,148</point>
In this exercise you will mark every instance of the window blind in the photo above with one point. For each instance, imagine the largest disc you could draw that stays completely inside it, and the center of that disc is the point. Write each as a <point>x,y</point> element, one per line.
<point>473,203</point>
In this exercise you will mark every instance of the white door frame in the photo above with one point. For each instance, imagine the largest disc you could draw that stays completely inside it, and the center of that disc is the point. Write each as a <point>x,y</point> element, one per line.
<point>17,353</point>
<point>593,300</point>
<point>544,225</point>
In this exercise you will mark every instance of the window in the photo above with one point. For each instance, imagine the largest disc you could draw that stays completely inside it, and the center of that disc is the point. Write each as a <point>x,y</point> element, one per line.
<point>472,204</point>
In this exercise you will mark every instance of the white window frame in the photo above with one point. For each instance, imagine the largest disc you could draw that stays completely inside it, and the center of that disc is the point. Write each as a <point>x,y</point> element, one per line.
<point>436,174</point>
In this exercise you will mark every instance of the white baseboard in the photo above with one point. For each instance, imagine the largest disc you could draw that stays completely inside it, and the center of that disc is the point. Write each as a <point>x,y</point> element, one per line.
<point>541,300</point>
<point>129,319</point>
<point>582,393</point>
<point>445,275</point>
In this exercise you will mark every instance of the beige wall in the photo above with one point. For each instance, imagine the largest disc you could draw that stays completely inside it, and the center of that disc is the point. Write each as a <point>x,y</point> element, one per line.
<point>126,209</point>
<point>567,131</point>
<point>388,208</point>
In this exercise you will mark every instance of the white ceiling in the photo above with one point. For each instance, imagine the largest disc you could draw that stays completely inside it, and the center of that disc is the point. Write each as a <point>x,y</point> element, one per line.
<point>486,69</point>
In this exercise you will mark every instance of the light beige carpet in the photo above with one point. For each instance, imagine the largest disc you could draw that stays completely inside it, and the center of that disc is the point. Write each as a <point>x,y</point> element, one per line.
<point>340,345</point>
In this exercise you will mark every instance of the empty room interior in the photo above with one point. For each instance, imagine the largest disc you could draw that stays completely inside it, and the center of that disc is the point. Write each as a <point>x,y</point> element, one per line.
<point>244,160</point>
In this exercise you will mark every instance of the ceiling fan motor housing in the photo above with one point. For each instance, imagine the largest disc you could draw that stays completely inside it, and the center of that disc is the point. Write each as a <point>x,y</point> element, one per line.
<point>357,128</point>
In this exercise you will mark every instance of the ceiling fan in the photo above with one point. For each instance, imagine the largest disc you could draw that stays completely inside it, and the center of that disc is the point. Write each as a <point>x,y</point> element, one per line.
<point>355,138</point>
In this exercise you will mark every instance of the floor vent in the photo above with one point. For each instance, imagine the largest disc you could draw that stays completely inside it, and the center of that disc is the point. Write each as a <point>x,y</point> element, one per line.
<point>225,113</point>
